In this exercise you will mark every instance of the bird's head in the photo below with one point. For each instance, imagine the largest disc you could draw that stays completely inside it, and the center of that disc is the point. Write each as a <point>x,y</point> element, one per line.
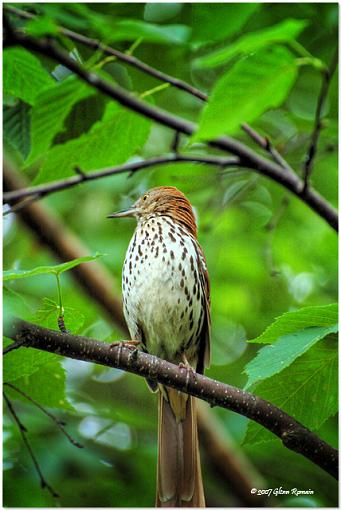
<point>162,201</point>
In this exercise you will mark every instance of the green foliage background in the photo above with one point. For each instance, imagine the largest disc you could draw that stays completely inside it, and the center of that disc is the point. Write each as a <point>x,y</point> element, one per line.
<point>268,254</point>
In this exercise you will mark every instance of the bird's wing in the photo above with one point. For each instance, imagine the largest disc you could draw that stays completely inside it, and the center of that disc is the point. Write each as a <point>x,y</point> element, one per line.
<point>205,335</point>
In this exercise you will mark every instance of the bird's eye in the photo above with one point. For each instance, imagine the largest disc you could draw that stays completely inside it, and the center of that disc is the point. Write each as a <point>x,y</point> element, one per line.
<point>145,197</point>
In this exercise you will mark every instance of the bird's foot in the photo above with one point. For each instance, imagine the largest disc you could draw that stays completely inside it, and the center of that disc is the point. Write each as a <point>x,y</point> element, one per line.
<point>184,364</point>
<point>129,344</point>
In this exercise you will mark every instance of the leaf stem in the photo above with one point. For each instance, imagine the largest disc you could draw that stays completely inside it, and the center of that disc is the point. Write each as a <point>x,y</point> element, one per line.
<point>61,308</point>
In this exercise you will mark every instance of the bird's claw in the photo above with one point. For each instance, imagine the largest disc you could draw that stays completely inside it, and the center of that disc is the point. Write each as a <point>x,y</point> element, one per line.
<point>189,369</point>
<point>129,344</point>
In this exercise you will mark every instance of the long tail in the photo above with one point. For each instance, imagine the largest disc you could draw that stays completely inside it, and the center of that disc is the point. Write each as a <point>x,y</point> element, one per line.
<point>179,481</point>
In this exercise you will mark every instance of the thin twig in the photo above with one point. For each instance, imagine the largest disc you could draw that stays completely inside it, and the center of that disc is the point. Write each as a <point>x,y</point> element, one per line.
<point>32,197</point>
<point>292,433</point>
<point>326,79</point>
<point>265,143</point>
<point>175,82</point>
<point>176,142</point>
<point>270,229</point>
<point>56,236</point>
<point>12,347</point>
<point>52,187</point>
<point>81,173</point>
<point>124,57</point>
<point>23,431</point>
<point>249,158</point>
<point>60,424</point>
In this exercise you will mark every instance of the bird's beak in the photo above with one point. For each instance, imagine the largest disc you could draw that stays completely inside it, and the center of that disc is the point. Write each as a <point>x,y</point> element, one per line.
<point>123,214</point>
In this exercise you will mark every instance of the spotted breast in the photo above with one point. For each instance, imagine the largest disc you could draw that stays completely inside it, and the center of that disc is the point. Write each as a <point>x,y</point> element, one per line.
<point>162,295</point>
<point>167,308</point>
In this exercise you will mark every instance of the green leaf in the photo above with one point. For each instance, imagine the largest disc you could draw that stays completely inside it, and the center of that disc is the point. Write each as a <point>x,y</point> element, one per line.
<point>306,390</point>
<point>160,12</point>
<point>209,20</point>
<point>47,316</point>
<point>259,213</point>
<point>50,111</point>
<point>110,141</point>
<point>14,301</point>
<point>41,25</point>
<point>319,316</point>
<point>252,86</point>
<point>58,269</point>
<point>276,357</point>
<point>228,342</point>
<point>285,31</point>
<point>46,385</point>
<point>22,362</point>
<point>16,126</point>
<point>131,29</point>
<point>23,75</point>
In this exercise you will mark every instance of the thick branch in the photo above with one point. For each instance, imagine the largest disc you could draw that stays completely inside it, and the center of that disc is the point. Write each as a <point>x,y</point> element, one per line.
<point>228,461</point>
<point>99,286</point>
<point>159,75</point>
<point>248,158</point>
<point>293,435</point>
<point>51,187</point>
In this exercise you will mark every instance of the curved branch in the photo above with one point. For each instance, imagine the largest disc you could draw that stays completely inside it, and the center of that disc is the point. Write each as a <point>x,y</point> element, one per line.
<point>294,436</point>
<point>248,158</point>
<point>52,187</point>
<point>124,57</point>
<point>326,79</point>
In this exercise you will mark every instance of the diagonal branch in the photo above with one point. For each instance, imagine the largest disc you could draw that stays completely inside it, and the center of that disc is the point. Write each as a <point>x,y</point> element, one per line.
<point>56,421</point>
<point>182,85</point>
<point>294,435</point>
<point>265,144</point>
<point>159,75</point>
<point>99,285</point>
<point>23,432</point>
<point>326,79</point>
<point>124,57</point>
<point>248,158</point>
<point>52,187</point>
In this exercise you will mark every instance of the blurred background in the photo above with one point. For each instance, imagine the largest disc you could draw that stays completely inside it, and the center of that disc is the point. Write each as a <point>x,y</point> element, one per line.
<point>267,253</point>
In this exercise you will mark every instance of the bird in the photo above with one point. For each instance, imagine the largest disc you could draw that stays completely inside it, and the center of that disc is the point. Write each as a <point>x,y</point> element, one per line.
<point>166,304</point>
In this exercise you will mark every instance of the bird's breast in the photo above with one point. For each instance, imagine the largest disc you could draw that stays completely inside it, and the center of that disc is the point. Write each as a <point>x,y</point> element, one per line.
<point>161,287</point>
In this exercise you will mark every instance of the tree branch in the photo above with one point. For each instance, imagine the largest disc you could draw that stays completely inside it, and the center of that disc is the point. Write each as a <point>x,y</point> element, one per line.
<point>294,436</point>
<point>152,71</point>
<point>124,57</point>
<point>227,459</point>
<point>51,187</point>
<point>59,424</point>
<point>248,158</point>
<point>99,286</point>
<point>326,79</point>
<point>23,432</point>
<point>94,278</point>
<point>265,144</point>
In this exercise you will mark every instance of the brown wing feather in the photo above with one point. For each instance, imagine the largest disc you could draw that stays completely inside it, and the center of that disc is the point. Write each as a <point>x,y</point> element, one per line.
<point>205,335</point>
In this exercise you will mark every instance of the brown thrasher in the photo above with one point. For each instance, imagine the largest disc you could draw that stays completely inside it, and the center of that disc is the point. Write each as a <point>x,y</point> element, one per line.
<point>166,300</point>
